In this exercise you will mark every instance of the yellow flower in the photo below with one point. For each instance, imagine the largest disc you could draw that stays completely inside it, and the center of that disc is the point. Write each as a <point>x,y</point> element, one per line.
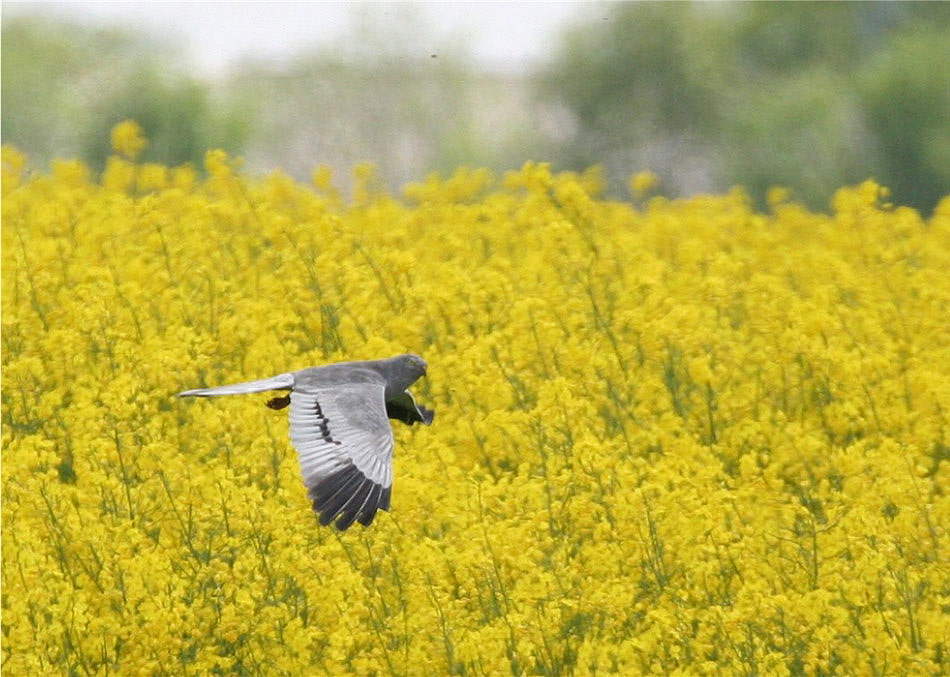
<point>643,183</point>
<point>777,195</point>
<point>322,178</point>
<point>152,177</point>
<point>128,140</point>
<point>690,439</point>
<point>13,166</point>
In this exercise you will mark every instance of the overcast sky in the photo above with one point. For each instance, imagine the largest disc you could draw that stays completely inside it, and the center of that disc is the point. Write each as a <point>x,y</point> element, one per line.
<point>216,35</point>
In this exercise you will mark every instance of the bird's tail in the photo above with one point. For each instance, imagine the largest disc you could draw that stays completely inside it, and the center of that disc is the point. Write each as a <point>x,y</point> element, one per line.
<point>279,382</point>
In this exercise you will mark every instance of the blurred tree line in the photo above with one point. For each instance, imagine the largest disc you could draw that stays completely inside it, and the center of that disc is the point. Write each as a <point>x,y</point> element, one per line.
<point>805,95</point>
<point>809,96</point>
<point>64,87</point>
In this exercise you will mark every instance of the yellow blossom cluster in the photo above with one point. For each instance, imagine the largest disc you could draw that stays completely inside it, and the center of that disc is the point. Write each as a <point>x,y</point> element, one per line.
<point>128,140</point>
<point>672,437</point>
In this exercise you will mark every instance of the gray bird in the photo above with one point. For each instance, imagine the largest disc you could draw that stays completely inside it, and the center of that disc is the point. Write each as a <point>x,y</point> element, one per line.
<point>338,427</point>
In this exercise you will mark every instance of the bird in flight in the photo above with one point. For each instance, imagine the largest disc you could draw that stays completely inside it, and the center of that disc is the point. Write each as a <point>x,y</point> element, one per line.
<point>338,426</point>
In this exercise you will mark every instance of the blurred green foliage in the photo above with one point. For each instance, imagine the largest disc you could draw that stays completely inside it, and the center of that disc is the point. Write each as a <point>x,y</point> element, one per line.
<point>905,92</point>
<point>810,96</point>
<point>805,95</point>
<point>64,87</point>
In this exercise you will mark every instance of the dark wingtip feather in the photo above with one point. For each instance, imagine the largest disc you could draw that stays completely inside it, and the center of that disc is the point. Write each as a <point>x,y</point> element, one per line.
<point>372,504</point>
<point>332,508</point>
<point>352,507</point>
<point>325,488</point>
<point>350,496</point>
<point>329,503</point>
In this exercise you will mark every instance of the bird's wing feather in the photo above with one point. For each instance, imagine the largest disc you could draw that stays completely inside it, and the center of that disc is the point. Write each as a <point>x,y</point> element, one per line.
<point>279,382</point>
<point>403,407</point>
<point>345,447</point>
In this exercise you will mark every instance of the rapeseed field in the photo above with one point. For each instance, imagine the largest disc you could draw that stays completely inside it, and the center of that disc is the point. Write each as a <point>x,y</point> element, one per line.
<point>672,436</point>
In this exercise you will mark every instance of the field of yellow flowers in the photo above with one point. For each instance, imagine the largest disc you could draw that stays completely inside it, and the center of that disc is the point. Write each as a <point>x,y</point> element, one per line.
<point>672,437</point>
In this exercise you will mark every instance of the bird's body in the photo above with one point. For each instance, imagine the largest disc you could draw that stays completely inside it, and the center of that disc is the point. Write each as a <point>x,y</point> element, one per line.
<point>339,427</point>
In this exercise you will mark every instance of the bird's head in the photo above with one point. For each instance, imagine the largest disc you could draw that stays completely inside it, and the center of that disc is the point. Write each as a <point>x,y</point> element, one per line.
<point>405,370</point>
<point>415,365</point>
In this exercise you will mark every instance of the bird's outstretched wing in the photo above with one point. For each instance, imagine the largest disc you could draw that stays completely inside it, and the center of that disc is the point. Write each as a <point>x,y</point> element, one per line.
<point>345,447</point>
